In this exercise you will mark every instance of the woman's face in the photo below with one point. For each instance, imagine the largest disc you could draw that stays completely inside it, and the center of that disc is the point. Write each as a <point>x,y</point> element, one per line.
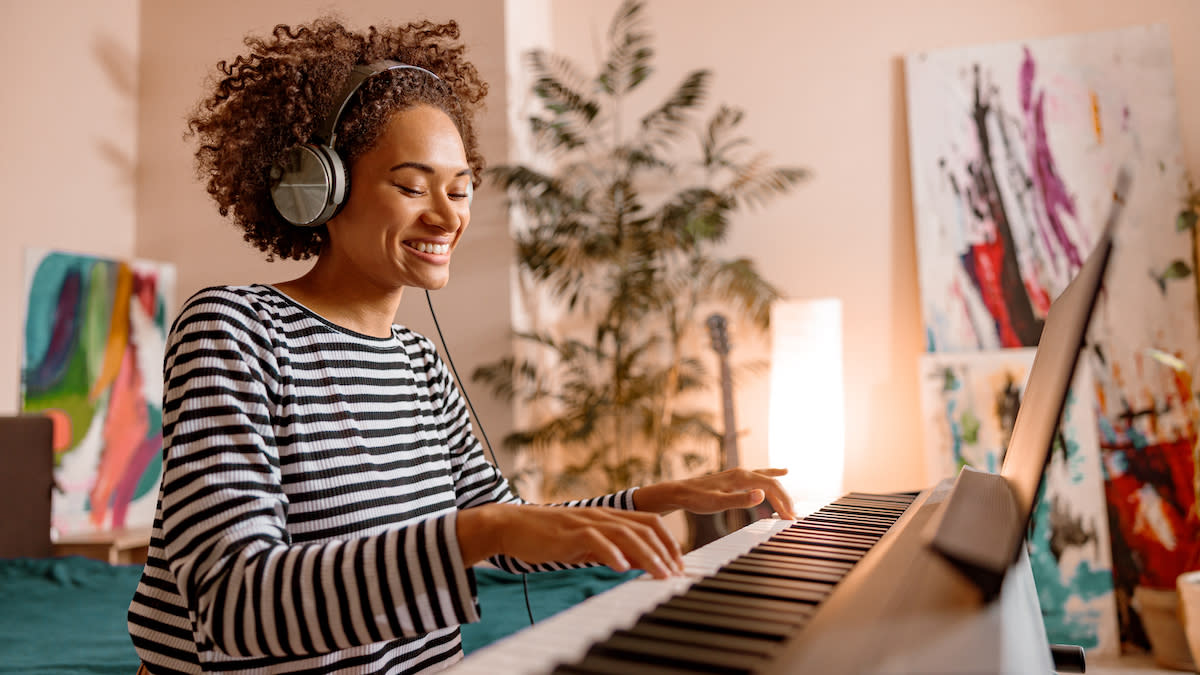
<point>408,204</point>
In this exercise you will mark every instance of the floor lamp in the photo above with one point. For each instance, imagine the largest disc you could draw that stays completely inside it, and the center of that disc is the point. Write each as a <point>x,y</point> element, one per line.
<point>806,413</point>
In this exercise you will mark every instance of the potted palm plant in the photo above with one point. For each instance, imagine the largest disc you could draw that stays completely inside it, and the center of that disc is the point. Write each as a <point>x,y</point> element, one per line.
<point>621,240</point>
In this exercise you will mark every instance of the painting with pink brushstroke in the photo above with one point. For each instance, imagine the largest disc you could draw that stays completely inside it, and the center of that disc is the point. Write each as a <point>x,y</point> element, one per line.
<point>94,331</point>
<point>1014,149</point>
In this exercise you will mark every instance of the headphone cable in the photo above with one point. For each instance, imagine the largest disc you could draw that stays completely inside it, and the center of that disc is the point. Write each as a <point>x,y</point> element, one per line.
<point>478,424</point>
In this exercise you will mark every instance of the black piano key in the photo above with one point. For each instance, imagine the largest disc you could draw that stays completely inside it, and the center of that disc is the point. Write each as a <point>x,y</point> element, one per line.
<point>858,513</point>
<point>803,550</point>
<point>820,587</point>
<point>879,529</point>
<point>813,526</point>
<point>822,539</point>
<point>640,650</point>
<point>604,665</point>
<point>818,564</point>
<point>740,611</point>
<point>737,586</point>
<point>757,629</point>
<point>851,529</point>
<point>899,500</point>
<point>780,570</point>
<point>800,611</point>
<point>872,503</point>
<point>697,635</point>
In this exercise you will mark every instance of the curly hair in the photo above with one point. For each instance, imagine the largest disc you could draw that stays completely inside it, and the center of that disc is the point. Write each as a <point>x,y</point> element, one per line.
<point>276,96</point>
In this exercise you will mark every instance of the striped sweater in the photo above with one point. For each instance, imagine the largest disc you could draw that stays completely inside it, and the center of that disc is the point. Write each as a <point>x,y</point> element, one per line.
<point>311,479</point>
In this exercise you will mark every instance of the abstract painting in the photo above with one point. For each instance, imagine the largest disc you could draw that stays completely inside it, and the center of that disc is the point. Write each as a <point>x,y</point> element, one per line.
<point>94,332</point>
<point>1014,152</point>
<point>969,402</point>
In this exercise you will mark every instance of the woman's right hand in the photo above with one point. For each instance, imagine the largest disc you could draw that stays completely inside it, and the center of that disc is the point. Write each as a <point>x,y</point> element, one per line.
<point>534,534</point>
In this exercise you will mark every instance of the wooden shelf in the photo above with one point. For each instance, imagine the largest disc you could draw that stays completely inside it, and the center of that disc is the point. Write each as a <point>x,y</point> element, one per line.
<point>116,547</point>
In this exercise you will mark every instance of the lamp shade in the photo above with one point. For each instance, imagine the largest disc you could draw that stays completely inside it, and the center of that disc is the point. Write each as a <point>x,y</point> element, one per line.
<point>806,431</point>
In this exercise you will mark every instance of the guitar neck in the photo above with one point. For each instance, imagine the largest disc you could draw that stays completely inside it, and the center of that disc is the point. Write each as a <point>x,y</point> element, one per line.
<point>729,437</point>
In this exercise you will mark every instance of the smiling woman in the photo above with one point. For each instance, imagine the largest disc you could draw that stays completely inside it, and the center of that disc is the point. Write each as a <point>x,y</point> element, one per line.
<point>323,496</point>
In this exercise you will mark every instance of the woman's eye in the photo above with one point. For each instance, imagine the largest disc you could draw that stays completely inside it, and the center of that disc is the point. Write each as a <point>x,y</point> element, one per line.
<point>458,195</point>
<point>410,191</point>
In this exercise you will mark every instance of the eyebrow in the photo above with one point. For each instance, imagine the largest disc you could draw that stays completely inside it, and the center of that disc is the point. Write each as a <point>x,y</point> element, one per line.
<point>425,168</point>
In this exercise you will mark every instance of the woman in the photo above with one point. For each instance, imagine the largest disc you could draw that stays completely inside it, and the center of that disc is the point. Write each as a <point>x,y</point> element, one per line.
<point>323,495</point>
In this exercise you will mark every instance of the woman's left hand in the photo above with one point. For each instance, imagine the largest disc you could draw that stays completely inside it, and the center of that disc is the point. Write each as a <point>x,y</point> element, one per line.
<point>731,489</point>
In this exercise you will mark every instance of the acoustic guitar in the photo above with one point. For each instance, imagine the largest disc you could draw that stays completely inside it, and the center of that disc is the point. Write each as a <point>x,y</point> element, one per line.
<point>708,527</point>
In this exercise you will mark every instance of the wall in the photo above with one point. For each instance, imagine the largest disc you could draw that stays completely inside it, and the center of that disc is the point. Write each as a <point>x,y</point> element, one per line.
<point>821,83</point>
<point>68,179</point>
<point>822,86</point>
<point>181,44</point>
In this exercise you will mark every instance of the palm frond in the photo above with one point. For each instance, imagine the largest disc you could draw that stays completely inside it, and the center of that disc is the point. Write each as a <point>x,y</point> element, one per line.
<point>756,184</point>
<point>715,146</point>
<point>628,63</point>
<point>560,87</point>
<point>667,120</point>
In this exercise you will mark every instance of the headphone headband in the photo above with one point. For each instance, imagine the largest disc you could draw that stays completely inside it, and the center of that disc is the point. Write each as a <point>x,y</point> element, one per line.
<point>310,181</point>
<point>327,131</point>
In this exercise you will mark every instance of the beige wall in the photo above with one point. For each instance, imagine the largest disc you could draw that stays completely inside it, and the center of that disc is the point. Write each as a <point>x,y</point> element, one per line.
<point>88,169</point>
<point>822,86</point>
<point>67,178</point>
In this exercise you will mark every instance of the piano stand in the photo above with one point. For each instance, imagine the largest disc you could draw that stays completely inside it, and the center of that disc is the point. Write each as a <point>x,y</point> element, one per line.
<point>1068,658</point>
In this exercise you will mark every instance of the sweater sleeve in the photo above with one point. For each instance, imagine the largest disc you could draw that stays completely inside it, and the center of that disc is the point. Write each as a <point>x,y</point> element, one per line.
<point>250,590</point>
<point>477,481</point>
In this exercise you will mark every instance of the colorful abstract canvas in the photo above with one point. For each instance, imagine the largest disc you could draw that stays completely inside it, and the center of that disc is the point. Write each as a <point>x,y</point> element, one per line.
<point>970,402</point>
<point>1014,152</point>
<point>94,332</point>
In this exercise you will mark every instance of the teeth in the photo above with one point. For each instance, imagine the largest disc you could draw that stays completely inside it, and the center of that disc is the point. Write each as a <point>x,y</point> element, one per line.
<point>426,247</point>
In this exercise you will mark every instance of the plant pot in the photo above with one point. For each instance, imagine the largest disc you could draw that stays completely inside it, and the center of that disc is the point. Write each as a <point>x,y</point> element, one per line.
<point>1159,611</point>
<point>1188,585</point>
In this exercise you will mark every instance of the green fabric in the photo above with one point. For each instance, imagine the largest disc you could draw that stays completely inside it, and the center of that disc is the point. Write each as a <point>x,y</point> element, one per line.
<point>66,616</point>
<point>502,599</point>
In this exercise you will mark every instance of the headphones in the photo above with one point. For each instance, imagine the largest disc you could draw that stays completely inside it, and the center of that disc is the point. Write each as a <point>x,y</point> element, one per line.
<point>310,184</point>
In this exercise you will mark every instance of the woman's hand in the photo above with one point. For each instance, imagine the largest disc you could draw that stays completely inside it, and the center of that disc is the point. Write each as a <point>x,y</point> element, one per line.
<point>620,539</point>
<point>731,489</point>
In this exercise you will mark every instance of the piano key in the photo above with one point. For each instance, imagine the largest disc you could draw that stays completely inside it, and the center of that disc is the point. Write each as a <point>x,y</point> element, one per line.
<point>824,540</point>
<point>801,550</point>
<point>641,650</point>
<point>734,586</point>
<point>768,582</point>
<point>746,610</point>
<point>837,566</point>
<point>814,526</point>
<point>757,602</point>
<point>602,665</point>
<point>759,629</point>
<point>704,638</point>
<point>747,567</point>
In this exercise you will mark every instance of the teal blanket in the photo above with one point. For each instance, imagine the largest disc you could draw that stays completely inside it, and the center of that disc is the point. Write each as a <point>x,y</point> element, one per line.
<point>66,616</point>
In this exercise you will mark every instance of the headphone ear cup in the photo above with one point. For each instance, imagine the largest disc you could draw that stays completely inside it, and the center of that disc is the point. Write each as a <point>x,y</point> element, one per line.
<point>309,185</point>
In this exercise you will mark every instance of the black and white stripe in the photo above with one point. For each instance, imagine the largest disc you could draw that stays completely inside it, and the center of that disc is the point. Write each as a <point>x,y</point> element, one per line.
<point>311,481</point>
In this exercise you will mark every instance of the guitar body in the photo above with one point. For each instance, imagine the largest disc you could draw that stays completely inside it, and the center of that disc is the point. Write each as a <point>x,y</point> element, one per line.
<point>704,528</point>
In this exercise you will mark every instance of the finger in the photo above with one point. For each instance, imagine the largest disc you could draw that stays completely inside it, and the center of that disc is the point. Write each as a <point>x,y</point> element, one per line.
<point>600,549</point>
<point>642,547</point>
<point>771,472</point>
<point>665,547</point>
<point>674,552</point>
<point>782,503</point>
